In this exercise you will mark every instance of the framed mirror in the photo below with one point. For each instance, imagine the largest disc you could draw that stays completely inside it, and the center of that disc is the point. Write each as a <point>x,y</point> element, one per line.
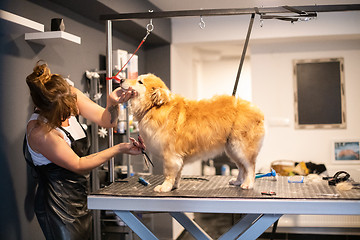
<point>319,94</point>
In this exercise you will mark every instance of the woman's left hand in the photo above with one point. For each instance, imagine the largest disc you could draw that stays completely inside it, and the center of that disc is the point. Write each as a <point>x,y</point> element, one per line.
<point>120,95</point>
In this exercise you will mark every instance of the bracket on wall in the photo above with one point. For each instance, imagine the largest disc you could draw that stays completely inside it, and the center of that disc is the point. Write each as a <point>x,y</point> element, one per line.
<point>300,15</point>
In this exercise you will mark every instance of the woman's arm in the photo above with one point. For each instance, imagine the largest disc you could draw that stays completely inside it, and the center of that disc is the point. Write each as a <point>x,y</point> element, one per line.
<point>105,117</point>
<point>52,146</point>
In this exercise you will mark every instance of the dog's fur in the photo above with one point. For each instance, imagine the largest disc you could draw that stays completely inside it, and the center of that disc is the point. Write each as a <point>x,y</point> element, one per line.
<point>179,130</point>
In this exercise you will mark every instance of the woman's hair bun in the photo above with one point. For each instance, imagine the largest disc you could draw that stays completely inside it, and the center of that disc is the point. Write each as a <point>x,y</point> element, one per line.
<point>42,72</point>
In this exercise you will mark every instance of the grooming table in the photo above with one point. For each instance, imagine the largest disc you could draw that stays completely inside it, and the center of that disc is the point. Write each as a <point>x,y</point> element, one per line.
<point>213,194</point>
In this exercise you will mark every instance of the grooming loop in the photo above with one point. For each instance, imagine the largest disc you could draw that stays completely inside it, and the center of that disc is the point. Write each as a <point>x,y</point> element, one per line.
<point>149,29</point>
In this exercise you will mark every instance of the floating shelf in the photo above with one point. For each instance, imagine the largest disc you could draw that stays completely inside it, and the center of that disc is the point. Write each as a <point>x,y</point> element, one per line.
<point>53,35</point>
<point>17,24</point>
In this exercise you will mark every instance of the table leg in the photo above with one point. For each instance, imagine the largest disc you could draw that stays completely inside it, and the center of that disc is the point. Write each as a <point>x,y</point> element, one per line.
<point>136,225</point>
<point>240,227</point>
<point>259,226</point>
<point>192,227</point>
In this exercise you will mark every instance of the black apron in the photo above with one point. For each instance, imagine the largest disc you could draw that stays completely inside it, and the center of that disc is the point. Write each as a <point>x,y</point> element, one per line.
<point>61,197</point>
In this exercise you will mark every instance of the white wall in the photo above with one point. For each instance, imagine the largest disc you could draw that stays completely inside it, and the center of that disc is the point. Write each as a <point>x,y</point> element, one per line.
<point>272,49</point>
<point>198,75</point>
<point>217,77</point>
<point>272,80</point>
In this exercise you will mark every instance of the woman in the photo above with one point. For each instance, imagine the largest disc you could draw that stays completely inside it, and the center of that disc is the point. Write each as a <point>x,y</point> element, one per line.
<point>58,147</point>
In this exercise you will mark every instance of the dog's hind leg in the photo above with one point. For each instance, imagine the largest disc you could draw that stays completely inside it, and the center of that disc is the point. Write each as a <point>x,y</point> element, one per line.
<point>172,173</point>
<point>244,157</point>
<point>240,177</point>
<point>249,176</point>
<point>177,179</point>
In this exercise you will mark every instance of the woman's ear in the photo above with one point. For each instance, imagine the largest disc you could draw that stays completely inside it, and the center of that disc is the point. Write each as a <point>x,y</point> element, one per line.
<point>160,96</point>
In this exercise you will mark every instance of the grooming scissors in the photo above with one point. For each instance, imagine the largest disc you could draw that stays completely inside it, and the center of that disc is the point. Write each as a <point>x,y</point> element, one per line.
<point>146,157</point>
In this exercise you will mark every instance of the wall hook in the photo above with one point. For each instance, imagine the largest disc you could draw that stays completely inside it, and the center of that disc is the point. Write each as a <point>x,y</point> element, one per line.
<point>261,21</point>
<point>150,26</point>
<point>202,23</point>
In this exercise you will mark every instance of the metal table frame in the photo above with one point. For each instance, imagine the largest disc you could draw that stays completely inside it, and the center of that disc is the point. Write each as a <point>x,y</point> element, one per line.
<point>260,213</point>
<point>299,11</point>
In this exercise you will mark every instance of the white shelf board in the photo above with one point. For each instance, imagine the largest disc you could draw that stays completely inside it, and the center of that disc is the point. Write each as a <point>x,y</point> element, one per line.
<point>52,35</point>
<point>15,23</point>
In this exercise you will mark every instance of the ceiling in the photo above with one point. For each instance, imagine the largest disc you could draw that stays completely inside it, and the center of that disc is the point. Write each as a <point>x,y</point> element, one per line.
<point>233,49</point>
<point>173,5</point>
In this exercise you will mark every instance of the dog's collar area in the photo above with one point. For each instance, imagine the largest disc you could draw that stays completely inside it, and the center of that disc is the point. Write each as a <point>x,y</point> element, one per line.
<point>145,112</point>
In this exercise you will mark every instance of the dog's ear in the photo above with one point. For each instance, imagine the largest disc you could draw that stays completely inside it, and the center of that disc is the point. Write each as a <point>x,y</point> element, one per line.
<point>160,96</point>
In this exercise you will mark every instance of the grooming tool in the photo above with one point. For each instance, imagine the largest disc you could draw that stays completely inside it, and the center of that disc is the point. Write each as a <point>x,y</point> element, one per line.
<point>338,177</point>
<point>195,178</point>
<point>296,179</point>
<point>329,194</point>
<point>143,181</point>
<point>270,174</point>
<point>147,159</point>
<point>121,181</point>
<point>268,193</point>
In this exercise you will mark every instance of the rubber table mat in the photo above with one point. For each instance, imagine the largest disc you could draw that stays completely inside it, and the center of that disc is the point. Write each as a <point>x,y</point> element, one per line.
<point>218,187</point>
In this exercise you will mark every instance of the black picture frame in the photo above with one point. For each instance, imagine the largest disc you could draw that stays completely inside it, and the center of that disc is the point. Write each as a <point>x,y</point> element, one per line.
<point>319,94</point>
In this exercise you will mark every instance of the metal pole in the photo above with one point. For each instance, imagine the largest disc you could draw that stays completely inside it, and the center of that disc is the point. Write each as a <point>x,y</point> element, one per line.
<point>109,90</point>
<point>95,183</point>
<point>244,53</point>
<point>94,132</point>
<point>127,156</point>
<point>228,12</point>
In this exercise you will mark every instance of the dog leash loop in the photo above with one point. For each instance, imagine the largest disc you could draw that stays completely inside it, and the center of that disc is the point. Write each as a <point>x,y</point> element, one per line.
<point>149,29</point>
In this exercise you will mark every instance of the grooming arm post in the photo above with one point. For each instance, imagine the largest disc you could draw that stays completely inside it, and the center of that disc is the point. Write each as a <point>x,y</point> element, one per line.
<point>109,89</point>
<point>244,53</point>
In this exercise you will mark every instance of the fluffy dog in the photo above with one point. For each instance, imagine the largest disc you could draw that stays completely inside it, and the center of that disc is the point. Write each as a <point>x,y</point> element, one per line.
<point>179,130</point>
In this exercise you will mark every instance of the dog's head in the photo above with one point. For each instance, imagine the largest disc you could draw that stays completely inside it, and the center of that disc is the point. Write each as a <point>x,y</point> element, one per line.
<point>152,92</point>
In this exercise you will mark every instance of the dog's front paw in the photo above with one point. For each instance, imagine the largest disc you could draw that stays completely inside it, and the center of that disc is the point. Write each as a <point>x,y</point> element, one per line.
<point>163,188</point>
<point>247,186</point>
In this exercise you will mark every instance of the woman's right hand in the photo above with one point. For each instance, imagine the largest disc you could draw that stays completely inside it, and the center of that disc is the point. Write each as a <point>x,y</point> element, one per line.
<point>120,95</point>
<point>134,147</point>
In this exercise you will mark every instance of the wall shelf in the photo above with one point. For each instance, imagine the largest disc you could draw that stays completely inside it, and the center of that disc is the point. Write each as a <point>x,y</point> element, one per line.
<point>40,37</point>
<point>17,24</point>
